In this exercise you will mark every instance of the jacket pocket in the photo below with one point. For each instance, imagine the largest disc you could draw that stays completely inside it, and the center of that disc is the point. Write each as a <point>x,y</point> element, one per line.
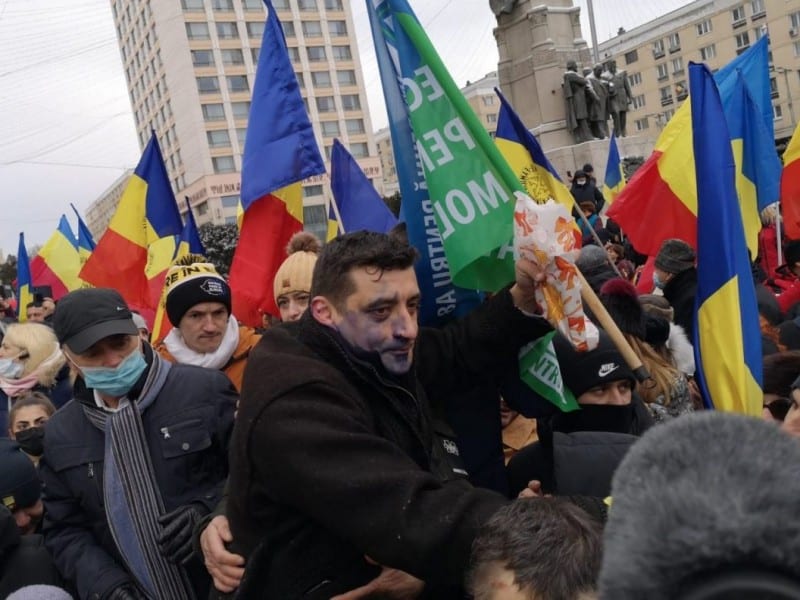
<point>61,458</point>
<point>184,437</point>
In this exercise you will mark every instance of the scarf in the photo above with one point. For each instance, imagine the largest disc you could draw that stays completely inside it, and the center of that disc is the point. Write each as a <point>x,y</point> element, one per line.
<point>210,360</point>
<point>133,500</point>
<point>14,387</point>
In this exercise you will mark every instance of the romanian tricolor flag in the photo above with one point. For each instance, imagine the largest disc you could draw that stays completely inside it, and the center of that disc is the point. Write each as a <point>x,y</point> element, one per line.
<point>614,180</point>
<point>360,206</point>
<point>333,222</point>
<point>57,264</point>
<point>188,243</point>
<point>24,281</point>
<point>660,200</point>
<point>85,240</point>
<point>790,186</point>
<point>138,246</point>
<point>280,151</point>
<point>728,338</point>
<point>526,158</point>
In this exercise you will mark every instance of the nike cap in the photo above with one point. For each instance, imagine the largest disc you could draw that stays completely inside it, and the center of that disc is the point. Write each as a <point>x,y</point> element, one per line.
<point>86,316</point>
<point>581,371</point>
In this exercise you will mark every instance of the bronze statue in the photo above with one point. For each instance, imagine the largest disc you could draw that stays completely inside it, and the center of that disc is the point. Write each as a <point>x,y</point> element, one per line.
<point>598,103</point>
<point>619,97</point>
<point>575,93</point>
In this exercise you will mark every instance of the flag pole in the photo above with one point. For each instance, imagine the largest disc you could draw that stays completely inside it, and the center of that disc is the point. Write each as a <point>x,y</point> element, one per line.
<point>594,234</point>
<point>339,224</point>
<point>778,235</point>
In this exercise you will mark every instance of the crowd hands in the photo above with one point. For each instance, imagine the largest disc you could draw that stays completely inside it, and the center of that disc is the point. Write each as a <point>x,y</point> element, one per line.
<point>348,453</point>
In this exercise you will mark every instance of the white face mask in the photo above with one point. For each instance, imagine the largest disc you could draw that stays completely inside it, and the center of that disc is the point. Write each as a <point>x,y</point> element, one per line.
<point>581,182</point>
<point>10,369</point>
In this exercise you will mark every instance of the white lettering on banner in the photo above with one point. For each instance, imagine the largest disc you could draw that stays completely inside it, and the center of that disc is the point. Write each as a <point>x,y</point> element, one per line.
<point>440,269</point>
<point>438,145</point>
<point>459,206</point>
<point>456,132</point>
<point>547,371</point>
<point>437,153</point>
<point>416,91</point>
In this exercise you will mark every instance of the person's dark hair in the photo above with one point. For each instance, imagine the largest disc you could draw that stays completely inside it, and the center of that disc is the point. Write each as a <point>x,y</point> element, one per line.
<point>376,251</point>
<point>780,371</point>
<point>552,547</point>
<point>34,304</point>
<point>30,399</point>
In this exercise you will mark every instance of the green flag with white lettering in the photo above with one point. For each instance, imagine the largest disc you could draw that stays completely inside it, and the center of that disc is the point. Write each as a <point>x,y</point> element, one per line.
<point>539,369</point>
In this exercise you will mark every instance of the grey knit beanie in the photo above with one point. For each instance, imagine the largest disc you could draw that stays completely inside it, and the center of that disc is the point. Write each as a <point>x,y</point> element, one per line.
<point>40,592</point>
<point>675,256</point>
<point>591,258</point>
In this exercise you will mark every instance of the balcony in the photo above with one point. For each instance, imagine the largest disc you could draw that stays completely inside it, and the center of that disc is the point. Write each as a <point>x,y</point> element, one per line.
<point>673,49</point>
<point>658,53</point>
<point>739,23</point>
<point>666,101</point>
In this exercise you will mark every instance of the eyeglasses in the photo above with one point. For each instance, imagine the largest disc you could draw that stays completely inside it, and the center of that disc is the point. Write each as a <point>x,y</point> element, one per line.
<point>779,407</point>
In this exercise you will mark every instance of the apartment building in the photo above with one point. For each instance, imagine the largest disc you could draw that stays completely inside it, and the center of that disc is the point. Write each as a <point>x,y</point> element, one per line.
<point>656,56</point>
<point>190,67</point>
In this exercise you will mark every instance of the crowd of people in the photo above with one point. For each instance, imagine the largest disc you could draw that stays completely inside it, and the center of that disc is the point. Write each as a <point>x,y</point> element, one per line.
<point>342,451</point>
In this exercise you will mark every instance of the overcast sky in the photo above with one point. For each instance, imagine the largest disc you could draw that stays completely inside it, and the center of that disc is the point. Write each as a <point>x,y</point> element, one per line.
<point>66,129</point>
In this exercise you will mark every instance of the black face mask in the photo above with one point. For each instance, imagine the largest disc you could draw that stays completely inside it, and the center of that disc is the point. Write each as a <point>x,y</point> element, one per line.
<point>31,440</point>
<point>595,417</point>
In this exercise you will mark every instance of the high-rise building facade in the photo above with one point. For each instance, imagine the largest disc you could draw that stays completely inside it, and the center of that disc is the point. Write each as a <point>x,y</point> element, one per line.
<point>190,67</point>
<point>656,56</point>
<point>99,214</point>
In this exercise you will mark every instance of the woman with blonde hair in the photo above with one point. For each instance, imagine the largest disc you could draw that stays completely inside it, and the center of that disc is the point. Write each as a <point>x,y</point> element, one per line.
<point>31,361</point>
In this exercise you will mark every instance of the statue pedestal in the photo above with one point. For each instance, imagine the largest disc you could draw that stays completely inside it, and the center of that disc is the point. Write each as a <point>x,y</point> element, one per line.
<point>573,157</point>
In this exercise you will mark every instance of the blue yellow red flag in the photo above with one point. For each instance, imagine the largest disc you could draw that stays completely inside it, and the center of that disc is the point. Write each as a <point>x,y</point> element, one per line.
<point>85,240</point>
<point>727,337</point>
<point>24,282</point>
<point>333,222</point>
<point>280,151</point>
<point>614,180</point>
<point>57,263</point>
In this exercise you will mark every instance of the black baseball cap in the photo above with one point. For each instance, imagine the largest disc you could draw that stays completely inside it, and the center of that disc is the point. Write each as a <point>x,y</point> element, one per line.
<point>84,317</point>
<point>19,481</point>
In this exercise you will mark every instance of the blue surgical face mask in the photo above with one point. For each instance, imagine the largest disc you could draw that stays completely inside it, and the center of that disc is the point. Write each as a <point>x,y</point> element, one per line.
<point>10,369</point>
<point>116,381</point>
<point>657,281</point>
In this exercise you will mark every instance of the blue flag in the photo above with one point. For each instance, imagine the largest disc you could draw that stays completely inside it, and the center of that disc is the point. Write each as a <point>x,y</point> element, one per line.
<point>189,241</point>
<point>24,283</point>
<point>441,299</point>
<point>360,206</point>
<point>85,239</point>
<point>727,337</point>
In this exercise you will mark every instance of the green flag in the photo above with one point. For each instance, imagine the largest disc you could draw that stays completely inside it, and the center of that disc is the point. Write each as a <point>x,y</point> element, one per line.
<point>539,369</point>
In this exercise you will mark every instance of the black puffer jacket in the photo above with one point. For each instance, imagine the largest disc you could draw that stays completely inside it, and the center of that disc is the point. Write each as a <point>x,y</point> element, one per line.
<point>332,459</point>
<point>681,291</point>
<point>23,559</point>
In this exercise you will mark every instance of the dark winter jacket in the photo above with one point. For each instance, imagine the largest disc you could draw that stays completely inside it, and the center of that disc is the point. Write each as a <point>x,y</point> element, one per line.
<point>196,405</point>
<point>577,453</point>
<point>588,193</point>
<point>59,395</point>
<point>333,459</point>
<point>23,558</point>
<point>680,291</point>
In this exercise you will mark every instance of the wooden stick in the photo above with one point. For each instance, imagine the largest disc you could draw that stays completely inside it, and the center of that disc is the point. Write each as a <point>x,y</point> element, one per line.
<point>605,321</point>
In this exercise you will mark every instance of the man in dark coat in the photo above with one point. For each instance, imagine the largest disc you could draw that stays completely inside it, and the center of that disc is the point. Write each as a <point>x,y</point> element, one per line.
<point>133,461</point>
<point>676,275</point>
<point>335,456</point>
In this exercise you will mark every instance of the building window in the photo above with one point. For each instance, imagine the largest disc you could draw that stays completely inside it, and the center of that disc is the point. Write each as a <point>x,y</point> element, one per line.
<point>326,104</point>
<point>797,49</point>
<point>635,79</point>
<point>666,95</point>
<point>232,57</point>
<point>708,52</point>
<point>637,101</point>
<point>333,4</point>
<point>341,53</point>
<point>213,112</point>
<point>294,54</point>
<point>359,150</point>
<point>307,5</point>
<point>760,32</point>
<point>207,85</point>
<point>301,80</point>
<point>222,164</point>
<point>631,57</point>
<point>337,28</point>
<point>738,16</point>
<point>321,79</point>
<point>288,29</point>
<point>226,30</point>
<point>316,53</point>
<point>677,66</point>
<point>757,7</point>
<point>742,41</point>
<point>662,72</point>
<point>222,5</point>
<point>347,77</point>
<point>773,87</point>
<point>674,42</point>
<point>230,201</point>
<point>354,126</point>
<point>255,29</point>
<point>240,110</point>
<point>491,118</point>
<point>197,31</point>
<point>777,112</point>
<point>259,4</point>
<point>202,58</point>
<point>330,128</point>
<point>279,4</point>
<point>351,102</point>
<point>202,209</point>
<point>642,124</point>
<point>237,83</point>
<point>704,27</point>
<point>794,21</point>
<point>488,100</point>
<point>313,190</point>
<point>192,5</point>
<point>312,29</point>
<point>241,135</point>
<point>254,52</point>
<point>681,91</point>
<point>658,48</point>
<point>218,138</point>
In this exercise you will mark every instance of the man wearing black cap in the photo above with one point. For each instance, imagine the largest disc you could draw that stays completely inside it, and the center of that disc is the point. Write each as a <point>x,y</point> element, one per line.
<point>134,461</point>
<point>676,275</point>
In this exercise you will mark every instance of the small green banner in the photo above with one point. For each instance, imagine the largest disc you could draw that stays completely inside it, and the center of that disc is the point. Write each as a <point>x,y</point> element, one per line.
<point>540,371</point>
